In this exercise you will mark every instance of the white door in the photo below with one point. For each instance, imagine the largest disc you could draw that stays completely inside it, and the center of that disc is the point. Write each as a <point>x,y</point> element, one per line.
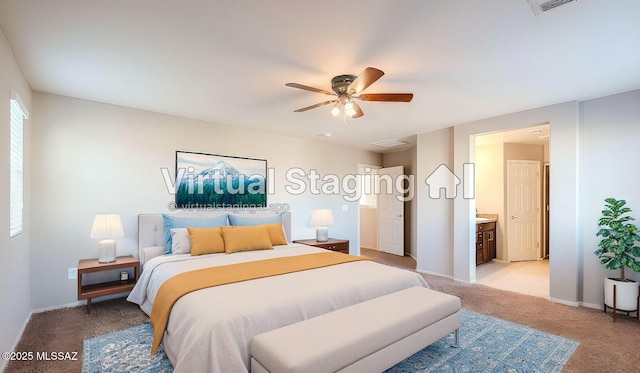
<point>523,210</point>
<point>390,212</point>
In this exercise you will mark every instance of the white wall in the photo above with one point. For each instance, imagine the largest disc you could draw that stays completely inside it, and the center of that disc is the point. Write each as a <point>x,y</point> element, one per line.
<point>593,154</point>
<point>490,186</point>
<point>90,158</point>
<point>609,154</point>
<point>564,192</point>
<point>15,295</point>
<point>413,211</point>
<point>434,236</point>
<point>458,223</point>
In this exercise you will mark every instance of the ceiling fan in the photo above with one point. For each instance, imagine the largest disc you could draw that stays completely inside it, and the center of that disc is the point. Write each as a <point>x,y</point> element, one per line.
<point>348,88</point>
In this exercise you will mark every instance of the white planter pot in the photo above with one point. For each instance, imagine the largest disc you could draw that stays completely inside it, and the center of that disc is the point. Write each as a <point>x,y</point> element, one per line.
<point>626,294</point>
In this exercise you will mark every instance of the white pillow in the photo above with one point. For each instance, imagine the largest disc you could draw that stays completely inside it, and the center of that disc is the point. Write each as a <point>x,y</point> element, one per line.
<point>181,242</point>
<point>150,252</point>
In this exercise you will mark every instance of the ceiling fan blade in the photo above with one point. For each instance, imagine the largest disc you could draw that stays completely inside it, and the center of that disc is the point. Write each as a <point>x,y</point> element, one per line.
<point>364,80</point>
<point>358,110</point>
<point>393,97</point>
<point>314,106</point>
<point>307,88</point>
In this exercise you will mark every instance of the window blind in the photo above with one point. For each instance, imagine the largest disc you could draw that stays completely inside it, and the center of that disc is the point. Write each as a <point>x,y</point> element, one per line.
<point>16,188</point>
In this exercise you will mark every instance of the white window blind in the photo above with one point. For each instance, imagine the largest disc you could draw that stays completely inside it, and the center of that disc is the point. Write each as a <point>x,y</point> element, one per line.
<point>16,188</point>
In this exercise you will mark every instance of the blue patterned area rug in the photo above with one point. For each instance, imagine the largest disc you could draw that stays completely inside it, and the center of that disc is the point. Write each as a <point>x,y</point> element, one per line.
<point>487,344</point>
<point>127,350</point>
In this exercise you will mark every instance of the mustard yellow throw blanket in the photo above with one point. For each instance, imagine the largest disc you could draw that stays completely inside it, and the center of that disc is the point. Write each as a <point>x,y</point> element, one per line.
<point>184,283</point>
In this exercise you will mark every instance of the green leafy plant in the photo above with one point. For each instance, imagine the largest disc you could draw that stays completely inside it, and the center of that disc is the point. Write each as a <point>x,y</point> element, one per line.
<point>617,247</point>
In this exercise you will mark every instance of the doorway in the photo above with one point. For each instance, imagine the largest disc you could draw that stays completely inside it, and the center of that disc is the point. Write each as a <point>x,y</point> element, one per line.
<point>382,215</point>
<point>390,212</point>
<point>493,153</point>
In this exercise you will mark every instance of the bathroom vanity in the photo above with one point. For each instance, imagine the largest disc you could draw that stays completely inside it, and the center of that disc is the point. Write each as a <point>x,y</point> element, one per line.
<point>485,240</point>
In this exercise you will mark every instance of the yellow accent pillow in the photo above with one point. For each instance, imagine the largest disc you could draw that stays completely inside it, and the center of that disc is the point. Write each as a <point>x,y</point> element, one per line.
<point>206,241</point>
<point>276,234</point>
<point>246,238</point>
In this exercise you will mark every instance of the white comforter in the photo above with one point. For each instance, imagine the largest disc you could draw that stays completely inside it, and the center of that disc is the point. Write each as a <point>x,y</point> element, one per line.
<point>210,330</point>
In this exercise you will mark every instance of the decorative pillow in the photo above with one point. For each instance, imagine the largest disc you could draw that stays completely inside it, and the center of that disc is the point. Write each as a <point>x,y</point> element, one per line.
<point>180,241</point>
<point>150,252</point>
<point>276,233</point>
<point>238,220</point>
<point>206,241</point>
<point>171,221</point>
<point>246,238</point>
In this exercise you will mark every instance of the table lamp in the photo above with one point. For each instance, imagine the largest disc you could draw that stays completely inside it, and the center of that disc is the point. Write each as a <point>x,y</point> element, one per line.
<point>106,227</point>
<point>321,219</point>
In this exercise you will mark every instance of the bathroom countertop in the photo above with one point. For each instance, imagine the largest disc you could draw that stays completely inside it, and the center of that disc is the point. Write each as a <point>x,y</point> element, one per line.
<point>489,218</point>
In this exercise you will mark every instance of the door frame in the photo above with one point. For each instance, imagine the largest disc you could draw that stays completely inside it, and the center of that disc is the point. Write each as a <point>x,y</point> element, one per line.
<point>546,207</point>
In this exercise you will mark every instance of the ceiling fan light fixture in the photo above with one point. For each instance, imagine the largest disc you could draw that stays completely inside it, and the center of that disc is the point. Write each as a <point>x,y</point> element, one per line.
<point>349,109</point>
<point>335,111</point>
<point>347,88</point>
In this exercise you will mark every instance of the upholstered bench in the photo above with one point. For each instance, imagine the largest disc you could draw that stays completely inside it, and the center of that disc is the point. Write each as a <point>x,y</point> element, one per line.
<point>366,337</point>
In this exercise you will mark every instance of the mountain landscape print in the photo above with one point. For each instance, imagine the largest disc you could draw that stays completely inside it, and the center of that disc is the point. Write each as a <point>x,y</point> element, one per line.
<point>205,181</point>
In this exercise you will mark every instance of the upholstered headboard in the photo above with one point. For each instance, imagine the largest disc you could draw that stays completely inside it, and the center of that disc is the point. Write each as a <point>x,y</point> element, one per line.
<point>151,238</point>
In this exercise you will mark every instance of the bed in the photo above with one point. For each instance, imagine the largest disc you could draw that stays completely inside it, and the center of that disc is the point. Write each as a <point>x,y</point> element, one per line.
<point>211,329</point>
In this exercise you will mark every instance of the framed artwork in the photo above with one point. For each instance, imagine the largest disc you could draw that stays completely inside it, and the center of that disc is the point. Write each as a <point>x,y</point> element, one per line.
<point>208,181</point>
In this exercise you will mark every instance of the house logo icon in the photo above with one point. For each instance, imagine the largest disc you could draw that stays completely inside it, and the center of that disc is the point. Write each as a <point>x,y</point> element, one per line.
<point>445,179</point>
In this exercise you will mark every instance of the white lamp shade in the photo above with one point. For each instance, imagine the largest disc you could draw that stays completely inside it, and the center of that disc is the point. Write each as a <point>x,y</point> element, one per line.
<point>321,218</point>
<point>107,226</point>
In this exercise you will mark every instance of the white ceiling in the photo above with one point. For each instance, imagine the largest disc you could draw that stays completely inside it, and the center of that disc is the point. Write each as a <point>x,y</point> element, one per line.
<point>227,61</point>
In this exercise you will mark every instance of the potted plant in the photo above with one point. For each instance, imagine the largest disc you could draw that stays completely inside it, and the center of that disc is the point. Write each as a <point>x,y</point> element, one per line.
<point>618,250</point>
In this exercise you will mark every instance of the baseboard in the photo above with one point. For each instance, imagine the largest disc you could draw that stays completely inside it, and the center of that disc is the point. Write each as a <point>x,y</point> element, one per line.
<point>577,304</point>
<point>81,302</point>
<point>462,280</point>
<point>591,305</point>
<point>434,274</point>
<point>58,307</point>
<point>565,302</point>
<point>3,362</point>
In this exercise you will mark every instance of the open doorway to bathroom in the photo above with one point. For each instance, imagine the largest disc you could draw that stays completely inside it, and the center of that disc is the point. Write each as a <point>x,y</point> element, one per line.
<point>512,188</point>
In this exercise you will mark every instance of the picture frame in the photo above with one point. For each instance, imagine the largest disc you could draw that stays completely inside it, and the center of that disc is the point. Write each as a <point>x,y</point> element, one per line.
<point>212,181</point>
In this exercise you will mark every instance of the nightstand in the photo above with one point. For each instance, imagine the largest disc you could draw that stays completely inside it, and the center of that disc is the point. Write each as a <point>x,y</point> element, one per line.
<point>333,244</point>
<point>106,288</point>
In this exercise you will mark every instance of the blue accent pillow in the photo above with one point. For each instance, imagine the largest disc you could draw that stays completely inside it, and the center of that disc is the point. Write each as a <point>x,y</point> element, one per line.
<point>244,221</point>
<point>179,222</point>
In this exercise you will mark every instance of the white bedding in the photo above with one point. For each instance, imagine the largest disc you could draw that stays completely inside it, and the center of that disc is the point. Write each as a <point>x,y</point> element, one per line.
<point>210,330</point>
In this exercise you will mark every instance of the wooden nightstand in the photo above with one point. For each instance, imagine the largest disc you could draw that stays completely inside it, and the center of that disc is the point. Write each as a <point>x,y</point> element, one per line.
<point>333,244</point>
<point>105,288</point>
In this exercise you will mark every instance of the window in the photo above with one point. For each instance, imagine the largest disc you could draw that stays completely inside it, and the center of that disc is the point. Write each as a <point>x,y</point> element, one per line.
<point>16,189</point>
<point>368,196</point>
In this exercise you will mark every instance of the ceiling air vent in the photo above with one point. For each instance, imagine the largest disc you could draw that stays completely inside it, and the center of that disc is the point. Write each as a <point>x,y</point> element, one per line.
<point>541,6</point>
<point>390,143</point>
